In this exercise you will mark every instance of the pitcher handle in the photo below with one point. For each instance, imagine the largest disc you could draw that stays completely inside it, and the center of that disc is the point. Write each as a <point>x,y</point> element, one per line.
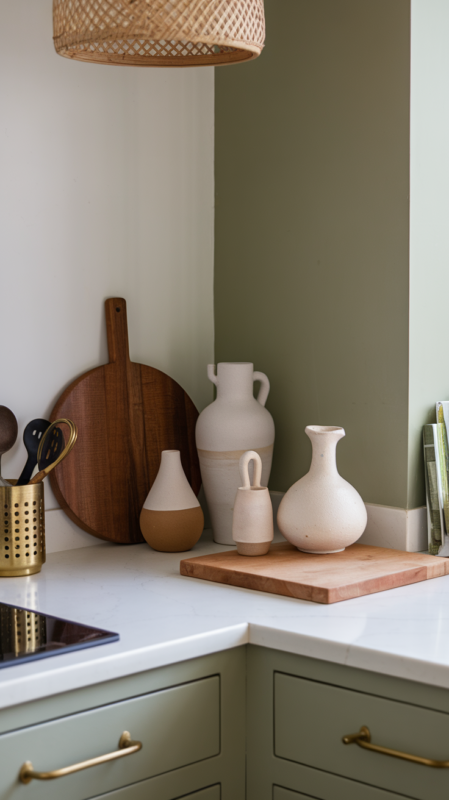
<point>250,455</point>
<point>211,374</point>
<point>264,386</point>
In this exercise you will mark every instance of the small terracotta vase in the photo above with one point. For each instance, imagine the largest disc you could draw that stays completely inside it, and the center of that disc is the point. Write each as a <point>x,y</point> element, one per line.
<point>252,522</point>
<point>171,519</point>
<point>322,513</point>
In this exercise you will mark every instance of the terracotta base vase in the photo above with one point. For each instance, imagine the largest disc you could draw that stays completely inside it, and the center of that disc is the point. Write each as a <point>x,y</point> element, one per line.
<point>252,522</point>
<point>171,520</point>
<point>322,513</point>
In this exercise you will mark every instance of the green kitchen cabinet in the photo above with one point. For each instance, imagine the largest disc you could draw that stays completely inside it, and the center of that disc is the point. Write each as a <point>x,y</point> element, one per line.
<point>247,723</point>
<point>300,708</point>
<point>189,718</point>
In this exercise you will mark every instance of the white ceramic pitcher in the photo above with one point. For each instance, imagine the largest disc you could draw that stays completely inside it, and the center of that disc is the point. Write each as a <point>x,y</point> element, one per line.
<point>252,522</point>
<point>234,423</point>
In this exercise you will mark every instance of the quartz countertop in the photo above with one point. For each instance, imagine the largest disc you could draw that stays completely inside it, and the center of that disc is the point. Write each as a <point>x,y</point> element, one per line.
<point>163,617</point>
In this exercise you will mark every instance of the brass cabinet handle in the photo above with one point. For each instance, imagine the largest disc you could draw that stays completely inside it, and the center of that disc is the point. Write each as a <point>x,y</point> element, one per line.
<point>363,739</point>
<point>126,748</point>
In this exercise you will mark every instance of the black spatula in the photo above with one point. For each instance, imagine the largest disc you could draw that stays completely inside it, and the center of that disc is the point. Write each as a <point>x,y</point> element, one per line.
<point>32,436</point>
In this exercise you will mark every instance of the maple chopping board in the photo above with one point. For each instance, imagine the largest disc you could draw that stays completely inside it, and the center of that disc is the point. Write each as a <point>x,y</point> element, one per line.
<point>126,414</point>
<point>357,571</point>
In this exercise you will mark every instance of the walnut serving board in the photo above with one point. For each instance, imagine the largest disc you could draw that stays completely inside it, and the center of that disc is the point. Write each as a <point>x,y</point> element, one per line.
<point>126,414</point>
<point>357,571</point>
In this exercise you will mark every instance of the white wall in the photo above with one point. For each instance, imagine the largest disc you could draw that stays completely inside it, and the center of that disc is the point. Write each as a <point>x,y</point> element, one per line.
<point>429,223</point>
<point>106,189</point>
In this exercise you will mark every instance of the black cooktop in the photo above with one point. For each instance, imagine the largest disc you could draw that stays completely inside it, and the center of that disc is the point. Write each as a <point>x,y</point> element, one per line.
<point>26,635</point>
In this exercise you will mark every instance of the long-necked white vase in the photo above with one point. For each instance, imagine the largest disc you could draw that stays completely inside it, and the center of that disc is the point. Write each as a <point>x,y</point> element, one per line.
<point>322,513</point>
<point>235,422</point>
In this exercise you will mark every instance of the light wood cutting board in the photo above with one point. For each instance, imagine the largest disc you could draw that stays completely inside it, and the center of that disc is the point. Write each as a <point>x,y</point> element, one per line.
<point>358,570</point>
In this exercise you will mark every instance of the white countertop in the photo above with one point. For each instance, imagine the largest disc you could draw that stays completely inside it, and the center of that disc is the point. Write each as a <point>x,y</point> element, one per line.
<point>163,617</point>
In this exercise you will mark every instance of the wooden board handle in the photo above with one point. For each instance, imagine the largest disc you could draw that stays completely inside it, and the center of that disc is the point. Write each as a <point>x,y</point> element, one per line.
<point>117,330</point>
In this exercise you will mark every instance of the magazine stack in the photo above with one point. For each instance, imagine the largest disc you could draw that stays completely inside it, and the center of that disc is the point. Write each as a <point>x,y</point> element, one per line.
<point>436,467</point>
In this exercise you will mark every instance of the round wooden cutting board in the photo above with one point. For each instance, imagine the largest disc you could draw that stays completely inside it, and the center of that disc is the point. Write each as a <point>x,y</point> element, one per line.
<point>126,415</point>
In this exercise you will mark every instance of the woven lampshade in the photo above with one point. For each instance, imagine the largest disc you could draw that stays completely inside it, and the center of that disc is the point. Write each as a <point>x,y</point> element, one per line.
<point>159,33</point>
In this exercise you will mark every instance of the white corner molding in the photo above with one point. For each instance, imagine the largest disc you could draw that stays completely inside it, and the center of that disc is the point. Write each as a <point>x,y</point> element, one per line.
<point>394,528</point>
<point>62,534</point>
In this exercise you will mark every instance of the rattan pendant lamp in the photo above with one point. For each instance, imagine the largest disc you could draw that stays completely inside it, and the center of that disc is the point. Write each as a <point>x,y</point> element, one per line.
<point>159,33</point>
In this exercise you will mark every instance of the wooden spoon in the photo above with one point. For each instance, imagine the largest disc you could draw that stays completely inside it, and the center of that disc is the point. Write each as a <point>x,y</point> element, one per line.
<point>8,435</point>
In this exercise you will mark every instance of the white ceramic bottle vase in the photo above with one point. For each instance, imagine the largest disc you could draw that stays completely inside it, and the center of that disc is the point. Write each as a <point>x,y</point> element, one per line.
<point>322,513</point>
<point>252,522</point>
<point>233,423</point>
<point>171,519</point>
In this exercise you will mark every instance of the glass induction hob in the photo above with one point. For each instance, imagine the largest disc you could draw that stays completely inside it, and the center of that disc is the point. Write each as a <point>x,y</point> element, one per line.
<point>26,635</point>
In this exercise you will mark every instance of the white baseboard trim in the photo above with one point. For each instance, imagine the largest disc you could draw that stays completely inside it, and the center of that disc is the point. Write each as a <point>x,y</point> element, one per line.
<point>62,534</point>
<point>394,528</point>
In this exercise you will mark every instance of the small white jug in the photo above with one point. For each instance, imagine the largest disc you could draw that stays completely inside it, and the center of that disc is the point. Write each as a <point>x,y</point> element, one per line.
<point>252,522</point>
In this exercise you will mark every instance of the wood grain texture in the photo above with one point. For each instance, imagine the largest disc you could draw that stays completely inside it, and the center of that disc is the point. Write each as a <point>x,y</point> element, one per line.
<point>8,430</point>
<point>126,414</point>
<point>357,571</point>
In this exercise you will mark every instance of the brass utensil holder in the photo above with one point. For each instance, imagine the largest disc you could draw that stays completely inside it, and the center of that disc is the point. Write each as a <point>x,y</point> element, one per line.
<point>22,530</point>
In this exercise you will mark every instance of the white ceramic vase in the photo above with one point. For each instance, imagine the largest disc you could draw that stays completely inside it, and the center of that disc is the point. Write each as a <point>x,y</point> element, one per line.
<point>322,513</point>
<point>233,423</point>
<point>171,519</point>
<point>252,522</point>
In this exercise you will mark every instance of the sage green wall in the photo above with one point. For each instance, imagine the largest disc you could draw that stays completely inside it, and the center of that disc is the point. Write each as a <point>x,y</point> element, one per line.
<point>312,217</point>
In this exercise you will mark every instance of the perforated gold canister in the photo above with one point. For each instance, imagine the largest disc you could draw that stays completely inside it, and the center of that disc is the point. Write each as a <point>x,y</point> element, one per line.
<point>22,531</point>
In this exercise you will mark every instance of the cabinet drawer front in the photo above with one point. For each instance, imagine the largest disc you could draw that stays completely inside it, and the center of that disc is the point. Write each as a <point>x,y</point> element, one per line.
<point>177,727</point>
<point>143,791</point>
<point>311,718</point>
<point>338,792</point>
<point>213,793</point>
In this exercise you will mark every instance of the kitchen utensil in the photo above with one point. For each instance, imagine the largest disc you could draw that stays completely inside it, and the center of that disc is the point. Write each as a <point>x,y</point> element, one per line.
<point>22,530</point>
<point>32,436</point>
<point>52,447</point>
<point>127,414</point>
<point>50,452</point>
<point>8,435</point>
<point>356,571</point>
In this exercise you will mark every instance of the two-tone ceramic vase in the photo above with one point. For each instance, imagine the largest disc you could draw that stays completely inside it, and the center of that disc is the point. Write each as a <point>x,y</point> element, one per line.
<point>322,513</point>
<point>171,519</point>
<point>252,522</point>
<point>235,422</point>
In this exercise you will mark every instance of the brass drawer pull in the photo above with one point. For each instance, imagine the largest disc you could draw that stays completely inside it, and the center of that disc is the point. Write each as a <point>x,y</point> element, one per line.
<point>126,748</point>
<point>363,739</point>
